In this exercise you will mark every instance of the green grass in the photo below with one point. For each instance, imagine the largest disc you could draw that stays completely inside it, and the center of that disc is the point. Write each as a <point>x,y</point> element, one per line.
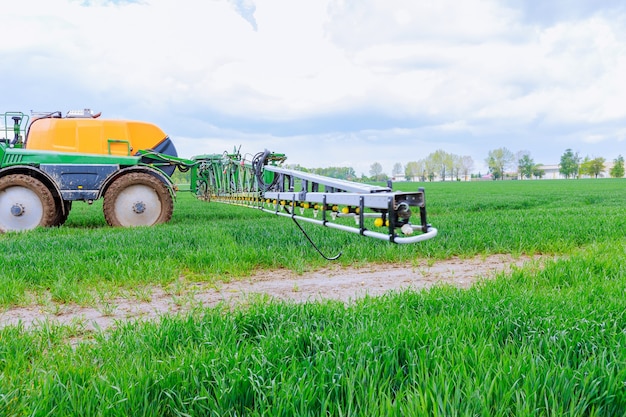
<point>545,341</point>
<point>524,216</point>
<point>209,241</point>
<point>538,342</point>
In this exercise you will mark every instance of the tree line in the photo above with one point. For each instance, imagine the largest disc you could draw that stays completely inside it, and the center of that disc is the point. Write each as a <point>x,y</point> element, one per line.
<point>501,162</point>
<point>441,165</point>
<point>571,165</point>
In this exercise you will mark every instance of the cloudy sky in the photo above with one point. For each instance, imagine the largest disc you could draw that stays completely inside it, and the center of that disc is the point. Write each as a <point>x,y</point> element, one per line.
<point>332,82</point>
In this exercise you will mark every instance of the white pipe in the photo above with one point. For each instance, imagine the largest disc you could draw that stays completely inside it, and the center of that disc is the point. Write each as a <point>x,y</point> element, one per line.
<point>431,233</point>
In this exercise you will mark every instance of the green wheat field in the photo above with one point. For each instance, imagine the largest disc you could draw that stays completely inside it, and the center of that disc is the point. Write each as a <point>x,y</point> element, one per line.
<point>537,341</point>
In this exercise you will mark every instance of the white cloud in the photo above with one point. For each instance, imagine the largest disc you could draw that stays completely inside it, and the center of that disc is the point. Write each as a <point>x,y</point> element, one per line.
<point>330,80</point>
<point>358,25</point>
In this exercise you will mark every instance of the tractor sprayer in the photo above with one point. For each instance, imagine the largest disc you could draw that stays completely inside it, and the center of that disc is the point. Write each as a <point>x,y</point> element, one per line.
<point>49,163</point>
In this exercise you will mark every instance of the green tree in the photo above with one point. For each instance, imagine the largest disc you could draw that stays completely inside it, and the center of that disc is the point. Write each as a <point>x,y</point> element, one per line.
<point>397,169</point>
<point>457,166</point>
<point>617,171</point>
<point>538,172</point>
<point>498,160</point>
<point>430,168</point>
<point>467,164</point>
<point>376,171</point>
<point>414,169</point>
<point>584,168</point>
<point>525,165</point>
<point>448,161</point>
<point>343,173</point>
<point>597,166</point>
<point>442,163</point>
<point>569,164</point>
<point>592,167</point>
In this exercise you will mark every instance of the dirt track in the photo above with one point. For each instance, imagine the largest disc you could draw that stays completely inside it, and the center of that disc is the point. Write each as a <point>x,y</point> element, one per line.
<point>332,283</point>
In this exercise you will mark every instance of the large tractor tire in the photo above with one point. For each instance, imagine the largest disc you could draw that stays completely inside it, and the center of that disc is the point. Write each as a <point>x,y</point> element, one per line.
<point>137,199</point>
<point>62,212</point>
<point>25,203</point>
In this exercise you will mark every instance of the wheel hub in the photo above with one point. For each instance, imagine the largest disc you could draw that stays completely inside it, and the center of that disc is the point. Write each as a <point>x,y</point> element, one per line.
<point>139,207</point>
<point>22,208</point>
<point>133,200</point>
<point>17,209</point>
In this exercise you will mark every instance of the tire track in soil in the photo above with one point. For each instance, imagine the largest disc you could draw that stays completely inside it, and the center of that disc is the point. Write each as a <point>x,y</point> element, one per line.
<point>335,283</point>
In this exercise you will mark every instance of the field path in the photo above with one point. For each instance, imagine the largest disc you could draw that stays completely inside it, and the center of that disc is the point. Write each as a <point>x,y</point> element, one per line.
<point>336,283</point>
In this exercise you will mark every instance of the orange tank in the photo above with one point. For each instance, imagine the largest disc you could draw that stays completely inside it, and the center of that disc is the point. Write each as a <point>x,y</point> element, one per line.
<point>94,136</point>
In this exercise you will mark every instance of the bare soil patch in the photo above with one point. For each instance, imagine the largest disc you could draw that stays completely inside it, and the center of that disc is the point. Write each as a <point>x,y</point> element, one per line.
<point>336,283</point>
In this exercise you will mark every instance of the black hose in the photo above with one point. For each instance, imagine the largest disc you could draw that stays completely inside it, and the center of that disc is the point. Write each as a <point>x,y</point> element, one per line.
<point>328,258</point>
<point>258,162</point>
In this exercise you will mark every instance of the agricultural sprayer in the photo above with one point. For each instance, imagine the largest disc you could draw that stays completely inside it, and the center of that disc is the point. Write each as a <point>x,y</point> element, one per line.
<point>48,161</point>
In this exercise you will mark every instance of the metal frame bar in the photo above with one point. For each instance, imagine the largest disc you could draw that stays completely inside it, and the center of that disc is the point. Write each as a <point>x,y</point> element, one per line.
<point>393,238</point>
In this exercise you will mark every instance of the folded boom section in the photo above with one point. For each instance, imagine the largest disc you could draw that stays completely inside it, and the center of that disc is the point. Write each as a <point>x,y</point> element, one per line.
<point>263,183</point>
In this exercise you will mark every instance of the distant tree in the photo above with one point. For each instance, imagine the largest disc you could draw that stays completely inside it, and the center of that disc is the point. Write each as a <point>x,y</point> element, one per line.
<point>449,162</point>
<point>342,173</point>
<point>592,167</point>
<point>376,171</point>
<point>538,172</point>
<point>617,171</point>
<point>467,164</point>
<point>457,166</point>
<point>525,165</point>
<point>584,167</point>
<point>430,167</point>
<point>498,160</point>
<point>569,164</point>
<point>442,163</point>
<point>413,169</point>
<point>597,166</point>
<point>397,169</point>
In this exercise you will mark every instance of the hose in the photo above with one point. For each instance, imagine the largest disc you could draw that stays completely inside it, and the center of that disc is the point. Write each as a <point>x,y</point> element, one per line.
<point>258,162</point>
